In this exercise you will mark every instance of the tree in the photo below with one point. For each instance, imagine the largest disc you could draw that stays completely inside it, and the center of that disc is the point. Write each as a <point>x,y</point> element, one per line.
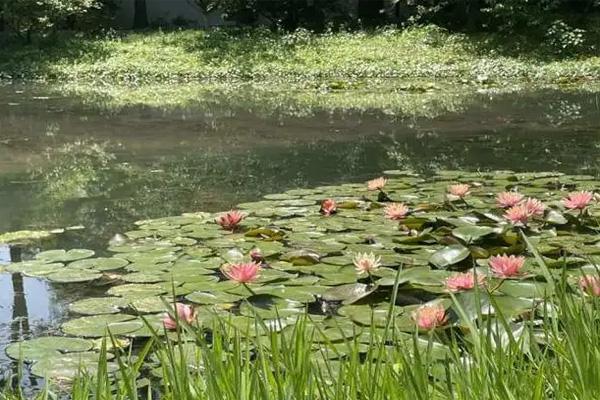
<point>26,17</point>
<point>140,14</point>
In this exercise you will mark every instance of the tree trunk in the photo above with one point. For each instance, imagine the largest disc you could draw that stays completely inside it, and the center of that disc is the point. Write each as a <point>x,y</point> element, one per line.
<point>140,15</point>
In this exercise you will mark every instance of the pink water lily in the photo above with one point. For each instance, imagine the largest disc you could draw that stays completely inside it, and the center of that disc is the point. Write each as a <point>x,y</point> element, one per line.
<point>578,200</point>
<point>459,190</point>
<point>230,220</point>
<point>508,199</point>
<point>590,284</point>
<point>505,266</point>
<point>328,207</point>
<point>428,317</point>
<point>534,207</point>
<point>365,263</point>
<point>518,215</point>
<point>396,211</point>
<point>464,281</point>
<point>376,184</point>
<point>184,313</point>
<point>242,272</point>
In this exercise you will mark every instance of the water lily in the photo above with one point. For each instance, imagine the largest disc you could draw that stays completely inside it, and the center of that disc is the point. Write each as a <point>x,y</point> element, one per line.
<point>376,184</point>
<point>578,200</point>
<point>459,190</point>
<point>230,220</point>
<point>518,215</point>
<point>428,317</point>
<point>505,266</point>
<point>184,313</point>
<point>590,284</point>
<point>508,199</point>
<point>242,272</point>
<point>256,255</point>
<point>366,263</point>
<point>464,281</point>
<point>396,211</point>
<point>534,207</point>
<point>328,207</point>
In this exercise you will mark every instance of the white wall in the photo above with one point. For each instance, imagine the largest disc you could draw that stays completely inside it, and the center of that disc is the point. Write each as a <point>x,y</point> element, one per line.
<point>165,10</point>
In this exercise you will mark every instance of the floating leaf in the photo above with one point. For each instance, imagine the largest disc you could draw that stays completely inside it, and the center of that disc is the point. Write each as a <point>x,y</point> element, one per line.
<point>63,255</point>
<point>45,347</point>
<point>449,256</point>
<point>473,233</point>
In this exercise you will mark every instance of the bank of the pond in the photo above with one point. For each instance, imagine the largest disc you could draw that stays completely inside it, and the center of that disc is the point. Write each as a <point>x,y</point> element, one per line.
<point>326,61</point>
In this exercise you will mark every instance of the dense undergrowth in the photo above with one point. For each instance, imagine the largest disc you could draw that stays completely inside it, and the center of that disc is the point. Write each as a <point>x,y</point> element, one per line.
<point>331,60</point>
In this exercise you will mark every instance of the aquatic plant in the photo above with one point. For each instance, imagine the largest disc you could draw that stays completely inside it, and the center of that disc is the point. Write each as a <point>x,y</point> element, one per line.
<point>464,281</point>
<point>328,207</point>
<point>459,190</point>
<point>366,263</point>
<point>396,211</point>
<point>505,266</point>
<point>508,199</point>
<point>376,184</point>
<point>184,313</point>
<point>442,256</point>
<point>590,284</point>
<point>243,272</point>
<point>429,317</point>
<point>578,200</point>
<point>230,220</point>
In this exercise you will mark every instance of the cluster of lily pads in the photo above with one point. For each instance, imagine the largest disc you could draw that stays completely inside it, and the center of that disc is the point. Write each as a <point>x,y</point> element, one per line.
<point>336,253</point>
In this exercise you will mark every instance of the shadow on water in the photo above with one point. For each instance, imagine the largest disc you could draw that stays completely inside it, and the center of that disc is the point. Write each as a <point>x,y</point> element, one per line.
<point>103,160</point>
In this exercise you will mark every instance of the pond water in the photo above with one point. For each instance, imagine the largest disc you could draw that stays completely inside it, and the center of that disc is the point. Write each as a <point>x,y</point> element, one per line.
<point>68,160</point>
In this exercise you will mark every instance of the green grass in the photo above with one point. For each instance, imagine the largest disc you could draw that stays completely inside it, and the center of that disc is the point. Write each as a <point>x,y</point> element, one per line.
<point>485,361</point>
<point>301,59</point>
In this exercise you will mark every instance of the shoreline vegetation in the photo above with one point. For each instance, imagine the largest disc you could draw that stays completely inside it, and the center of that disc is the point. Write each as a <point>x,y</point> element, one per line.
<point>298,60</point>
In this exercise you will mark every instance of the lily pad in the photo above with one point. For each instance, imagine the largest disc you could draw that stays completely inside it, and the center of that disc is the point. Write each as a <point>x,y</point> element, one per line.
<point>52,256</point>
<point>45,347</point>
<point>99,325</point>
<point>449,256</point>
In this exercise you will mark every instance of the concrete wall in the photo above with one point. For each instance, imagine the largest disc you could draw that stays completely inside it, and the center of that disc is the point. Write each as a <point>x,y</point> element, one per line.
<point>165,11</point>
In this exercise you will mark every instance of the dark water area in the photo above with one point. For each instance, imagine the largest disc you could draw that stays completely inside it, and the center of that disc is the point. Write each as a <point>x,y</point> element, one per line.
<point>65,161</point>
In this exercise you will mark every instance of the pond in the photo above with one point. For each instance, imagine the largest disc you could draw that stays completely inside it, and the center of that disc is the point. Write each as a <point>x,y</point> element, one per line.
<point>91,167</point>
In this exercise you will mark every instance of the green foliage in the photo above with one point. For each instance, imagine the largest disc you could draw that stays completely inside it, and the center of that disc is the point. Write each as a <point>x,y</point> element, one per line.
<point>287,14</point>
<point>25,17</point>
<point>534,17</point>
<point>331,61</point>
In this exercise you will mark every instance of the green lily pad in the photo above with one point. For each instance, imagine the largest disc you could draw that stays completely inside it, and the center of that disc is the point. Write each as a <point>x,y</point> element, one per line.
<point>349,293</point>
<point>45,347</point>
<point>212,297</point>
<point>99,325</point>
<point>73,275</point>
<point>51,256</point>
<point>100,264</point>
<point>67,366</point>
<point>473,233</point>
<point>449,256</point>
<point>98,305</point>
<point>34,268</point>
